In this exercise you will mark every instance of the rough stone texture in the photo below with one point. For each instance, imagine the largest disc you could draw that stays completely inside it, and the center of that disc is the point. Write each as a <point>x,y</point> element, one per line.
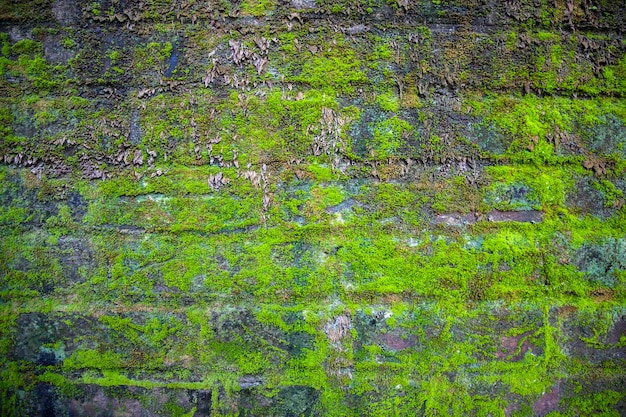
<point>312,208</point>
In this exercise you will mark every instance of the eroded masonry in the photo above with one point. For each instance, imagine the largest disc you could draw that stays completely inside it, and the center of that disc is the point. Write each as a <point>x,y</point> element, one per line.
<point>312,208</point>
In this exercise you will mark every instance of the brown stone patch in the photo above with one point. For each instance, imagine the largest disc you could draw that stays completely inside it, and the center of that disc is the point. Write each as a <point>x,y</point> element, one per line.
<point>565,311</point>
<point>397,341</point>
<point>338,328</point>
<point>601,295</point>
<point>509,346</point>
<point>531,216</point>
<point>99,404</point>
<point>548,402</point>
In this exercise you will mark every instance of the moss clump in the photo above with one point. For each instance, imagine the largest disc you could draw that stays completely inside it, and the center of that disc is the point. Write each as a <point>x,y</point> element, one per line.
<point>337,71</point>
<point>389,136</point>
<point>388,102</point>
<point>544,129</point>
<point>257,7</point>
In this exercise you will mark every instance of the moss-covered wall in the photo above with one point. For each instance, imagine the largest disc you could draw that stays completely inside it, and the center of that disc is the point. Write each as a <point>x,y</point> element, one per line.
<point>312,207</point>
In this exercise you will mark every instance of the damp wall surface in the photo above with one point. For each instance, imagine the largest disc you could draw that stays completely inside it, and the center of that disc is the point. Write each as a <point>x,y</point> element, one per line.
<point>312,208</point>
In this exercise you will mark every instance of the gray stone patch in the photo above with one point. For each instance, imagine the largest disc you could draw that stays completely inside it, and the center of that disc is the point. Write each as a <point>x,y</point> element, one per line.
<point>585,199</point>
<point>250,381</point>
<point>455,219</point>
<point>357,29</point>
<point>602,262</point>
<point>607,138</point>
<point>16,34</point>
<point>65,11</point>
<point>173,60</point>
<point>488,137</point>
<point>78,255</point>
<point>459,220</point>
<point>303,4</point>
<point>54,52</point>
<point>135,127</point>
<point>533,216</point>
<point>586,345</point>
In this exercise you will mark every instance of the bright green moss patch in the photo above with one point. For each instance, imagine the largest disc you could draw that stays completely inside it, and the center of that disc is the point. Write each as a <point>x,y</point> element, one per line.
<point>328,196</point>
<point>544,129</point>
<point>541,188</point>
<point>11,216</point>
<point>321,173</point>
<point>338,70</point>
<point>388,102</point>
<point>391,200</point>
<point>257,7</point>
<point>596,403</point>
<point>178,214</point>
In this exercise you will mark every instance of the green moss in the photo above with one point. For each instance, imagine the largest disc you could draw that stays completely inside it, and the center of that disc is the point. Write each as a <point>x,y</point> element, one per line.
<point>548,186</point>
<point>615,77</point>
<point>328,196</point>
<point>613,196</point>
<point>26,47</point>
<point>372,305</point>
<point>381,51</point>
<point>389,135</point>
<point>12,216</point>
<point>335,71</point>
<point>534,122</point>
<point>62,223</point>
<point>95,8</point>
<point>257,7</point>
<point>320,172</point>
<point>388,102</point>
<point>547,36</point>
<point>597,403</point>
<point>394,200</point>
<point>68,42</point>
<point>12,380</point>
<point>165,52</point>
<point>148,57</point>
<point>6,44</point>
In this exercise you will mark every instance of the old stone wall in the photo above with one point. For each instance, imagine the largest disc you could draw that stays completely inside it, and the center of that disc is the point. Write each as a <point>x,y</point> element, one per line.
<point>312,208</point>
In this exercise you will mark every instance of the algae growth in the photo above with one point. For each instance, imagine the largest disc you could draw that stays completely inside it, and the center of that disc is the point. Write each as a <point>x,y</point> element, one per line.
<point>313,208</point>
